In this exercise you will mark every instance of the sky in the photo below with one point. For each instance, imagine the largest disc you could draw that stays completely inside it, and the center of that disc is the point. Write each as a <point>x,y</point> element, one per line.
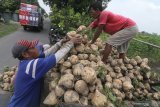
<point>146,13</point>
<point>45,7</point>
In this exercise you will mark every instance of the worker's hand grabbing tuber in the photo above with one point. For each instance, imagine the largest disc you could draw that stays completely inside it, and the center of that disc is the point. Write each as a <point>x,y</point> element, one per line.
<point>76,40</point>
<point>64,40</point>
<point>81,28</point>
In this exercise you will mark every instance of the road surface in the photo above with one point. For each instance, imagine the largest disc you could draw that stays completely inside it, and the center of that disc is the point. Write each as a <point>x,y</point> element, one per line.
<point>7,42</point>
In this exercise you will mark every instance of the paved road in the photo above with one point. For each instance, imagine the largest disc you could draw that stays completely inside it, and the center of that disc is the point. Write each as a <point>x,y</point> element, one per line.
<point>7,42</point>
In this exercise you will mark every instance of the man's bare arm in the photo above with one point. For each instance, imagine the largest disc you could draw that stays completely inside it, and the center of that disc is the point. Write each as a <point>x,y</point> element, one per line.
<point>97,33</point>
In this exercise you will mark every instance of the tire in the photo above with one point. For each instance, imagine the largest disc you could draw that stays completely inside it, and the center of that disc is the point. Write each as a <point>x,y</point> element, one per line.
<point>51,41</point>
<point>42,28</point>
<point>41,25</point>
<point>25,28</point>
<point>38,28</point>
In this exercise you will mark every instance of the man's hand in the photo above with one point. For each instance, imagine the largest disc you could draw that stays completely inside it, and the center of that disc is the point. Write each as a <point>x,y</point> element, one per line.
<point>97,33</point>
<point>81,28</point>
<point>76,40</point>
<point>65,40</point>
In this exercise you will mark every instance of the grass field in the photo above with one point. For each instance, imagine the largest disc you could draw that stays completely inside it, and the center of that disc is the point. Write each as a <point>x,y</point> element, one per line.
<point>141,49</point>
<point>8,28</point>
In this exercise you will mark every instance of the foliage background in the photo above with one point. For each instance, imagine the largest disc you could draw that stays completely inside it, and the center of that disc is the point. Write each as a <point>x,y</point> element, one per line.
<point>141,49</point>
<point>66,16</point>
<point>9,5</point>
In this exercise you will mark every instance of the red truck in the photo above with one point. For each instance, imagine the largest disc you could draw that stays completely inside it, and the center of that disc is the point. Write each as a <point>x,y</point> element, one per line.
<point>30,17</point>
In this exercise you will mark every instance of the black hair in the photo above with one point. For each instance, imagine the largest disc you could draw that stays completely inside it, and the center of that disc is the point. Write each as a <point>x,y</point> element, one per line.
<point>20,57</point>
<point>97,6</point>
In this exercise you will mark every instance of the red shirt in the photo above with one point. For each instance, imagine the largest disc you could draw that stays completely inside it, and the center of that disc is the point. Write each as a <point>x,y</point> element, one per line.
<point>113,22</point>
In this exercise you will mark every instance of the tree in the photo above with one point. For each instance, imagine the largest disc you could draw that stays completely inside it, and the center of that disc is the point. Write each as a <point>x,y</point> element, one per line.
<point>77,5</point>
<point>10,5</point>
<point>69,14</point>
<point>33,2</point>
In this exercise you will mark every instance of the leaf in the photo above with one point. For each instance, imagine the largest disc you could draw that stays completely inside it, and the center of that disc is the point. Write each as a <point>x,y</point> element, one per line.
<point>67,18</point>
<point>6,68</point>
<point>108,93</point>
<point>101,72</point>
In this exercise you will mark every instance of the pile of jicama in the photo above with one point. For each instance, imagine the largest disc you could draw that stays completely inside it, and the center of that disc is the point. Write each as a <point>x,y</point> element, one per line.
<point>82,78</point>
<point>7,78</point>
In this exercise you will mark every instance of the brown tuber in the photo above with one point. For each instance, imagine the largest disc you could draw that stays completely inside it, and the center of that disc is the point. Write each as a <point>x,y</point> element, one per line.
<point>81,87</point>
<point>89,75</point>
<point>51,99</point>
<point>99,100</point>
<point>71,96</point>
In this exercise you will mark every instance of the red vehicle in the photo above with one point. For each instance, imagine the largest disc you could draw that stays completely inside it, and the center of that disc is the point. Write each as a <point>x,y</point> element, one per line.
<point>30,16</point>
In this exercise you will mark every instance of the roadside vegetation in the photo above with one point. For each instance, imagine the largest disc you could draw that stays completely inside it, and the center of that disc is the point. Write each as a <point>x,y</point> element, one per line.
<point>141,49</point>
<point>7,28</point>
<point>144,50</point>
<point>69,18</point>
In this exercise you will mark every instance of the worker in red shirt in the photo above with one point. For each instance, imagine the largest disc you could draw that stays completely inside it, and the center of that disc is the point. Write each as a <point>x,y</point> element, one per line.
<point>120,29</point>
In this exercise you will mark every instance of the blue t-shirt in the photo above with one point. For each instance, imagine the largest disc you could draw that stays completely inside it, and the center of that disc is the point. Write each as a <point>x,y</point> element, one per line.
<point>40,50</point>
<point>28,81</point>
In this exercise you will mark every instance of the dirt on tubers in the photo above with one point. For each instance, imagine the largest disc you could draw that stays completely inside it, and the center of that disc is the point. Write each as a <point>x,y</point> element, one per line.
<point>7,79</point>
<point>82,77</point>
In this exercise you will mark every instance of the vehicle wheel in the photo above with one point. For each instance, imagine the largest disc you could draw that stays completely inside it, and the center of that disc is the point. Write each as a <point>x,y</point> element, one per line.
<point>25,28</point>
<point>41,27</point>
<point>50,41</point>
<point>38,29</point>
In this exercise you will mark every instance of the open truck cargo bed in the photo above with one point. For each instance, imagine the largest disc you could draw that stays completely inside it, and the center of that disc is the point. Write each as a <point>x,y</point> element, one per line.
<point>30,17</point>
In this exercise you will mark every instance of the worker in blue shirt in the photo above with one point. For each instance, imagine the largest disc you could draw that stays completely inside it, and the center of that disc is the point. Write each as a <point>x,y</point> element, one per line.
<point>32,68</point>
<point>41,48</point>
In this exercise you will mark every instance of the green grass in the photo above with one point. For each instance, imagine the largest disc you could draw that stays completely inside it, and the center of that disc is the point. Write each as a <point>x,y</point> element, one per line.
<point>141,49</point>
<point>109,94</point>
<point>7,28</point>
<point>104,36</point>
